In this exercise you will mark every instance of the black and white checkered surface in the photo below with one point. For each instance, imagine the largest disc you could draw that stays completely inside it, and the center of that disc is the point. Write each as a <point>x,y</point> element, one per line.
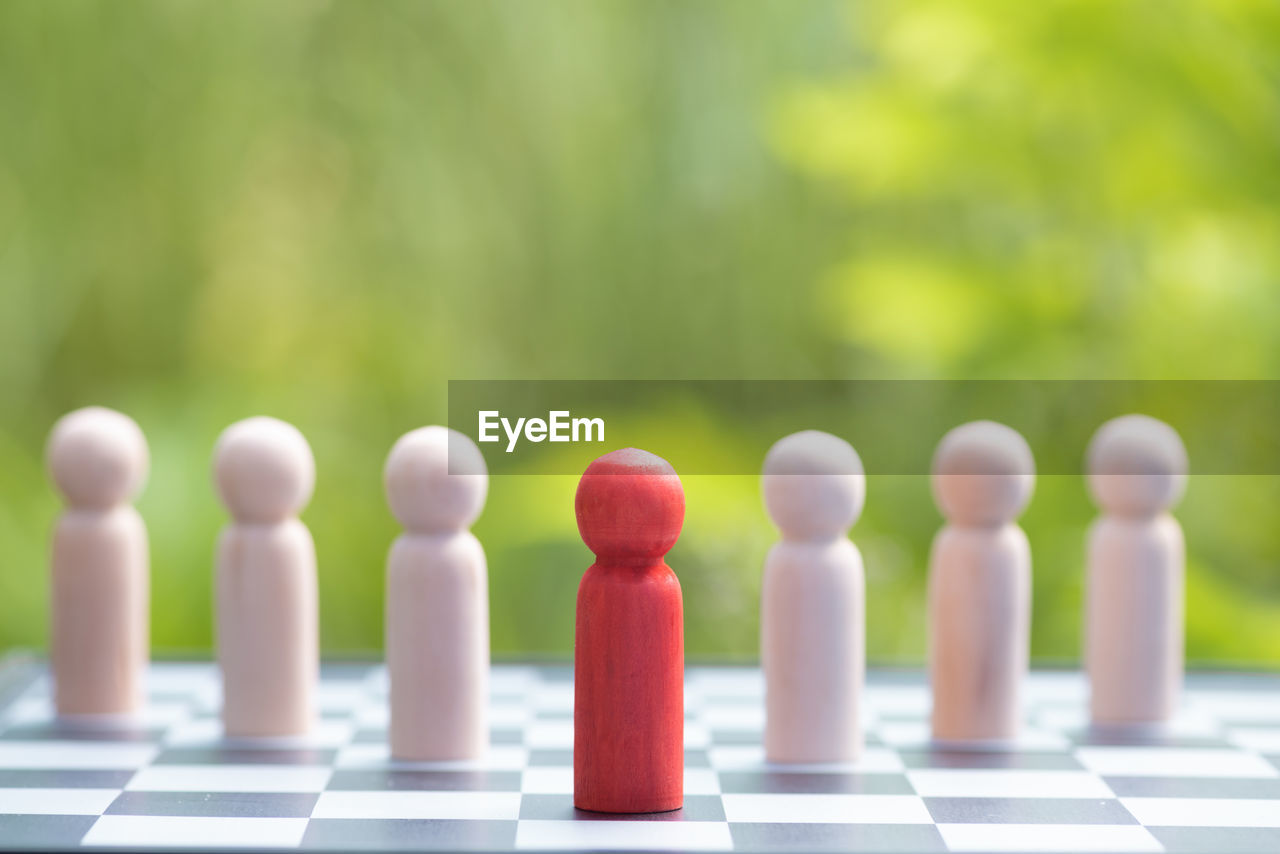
<point>1209,783</point>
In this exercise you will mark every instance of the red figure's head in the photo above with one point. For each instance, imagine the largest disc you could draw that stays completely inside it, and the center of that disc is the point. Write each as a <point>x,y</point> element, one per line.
<point>630,506</point>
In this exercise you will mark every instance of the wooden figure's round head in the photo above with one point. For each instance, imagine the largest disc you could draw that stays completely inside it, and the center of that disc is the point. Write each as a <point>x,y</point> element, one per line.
<point>97,458</point>
<point>436,480</point>
<point>1137,466</point>
<point>814,485</point>
<point>264,470</point>
<point>983,474</point>
<point>630,506</point>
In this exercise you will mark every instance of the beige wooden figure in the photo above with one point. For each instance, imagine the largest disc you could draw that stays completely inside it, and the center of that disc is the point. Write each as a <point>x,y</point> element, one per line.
<point>1137,471</point>
<point>812,635</point>
<point>437,599</point>
<point>266,581</point>
<point>979,583</point>
<point>100,576</point>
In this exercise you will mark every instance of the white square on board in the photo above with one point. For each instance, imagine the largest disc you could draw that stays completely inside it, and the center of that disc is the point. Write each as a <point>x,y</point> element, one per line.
<point>474,806</point>
<point>1173,762</point>
<point>624,835</point>
<point>547,780</point>
<point>231,778</point>
<point>1261,739</point>
<point>173,831</point>
<point>1067,838</point>
<point>826,809</point>
<point>550,735</point>
<point>1203,812</point>
<point>1006,783</point>
<point>78,755</point>
<point>56,801</point>
<point>377,757</point>
<point>207,732</point>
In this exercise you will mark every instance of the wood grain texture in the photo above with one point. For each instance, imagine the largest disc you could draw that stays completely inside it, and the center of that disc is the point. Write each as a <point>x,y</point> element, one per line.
<point>979,620</point>
<point>980,583</point>
<point>628,754</point>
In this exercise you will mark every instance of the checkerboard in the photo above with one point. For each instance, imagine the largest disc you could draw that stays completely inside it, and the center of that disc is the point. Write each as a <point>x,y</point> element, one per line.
<point>1210,782</point>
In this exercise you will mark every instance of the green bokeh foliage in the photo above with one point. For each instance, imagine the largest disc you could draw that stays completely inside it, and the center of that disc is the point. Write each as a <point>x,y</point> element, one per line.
<point>325,210</point>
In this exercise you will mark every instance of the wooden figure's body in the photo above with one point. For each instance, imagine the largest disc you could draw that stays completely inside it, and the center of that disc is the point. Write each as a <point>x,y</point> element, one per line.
<point>437,630</point>
<point>979,614</point>
<point>100,591</point>
<point>628,754</point>
<point>268,637</point>
<point>265,571</point>
<point>629,690</point>
<point>99,640</point>
<point>812,614</point>
<point>1134,609</point>
<point>979,584</point>
<point>438,647</point>
<point>1134,633</point>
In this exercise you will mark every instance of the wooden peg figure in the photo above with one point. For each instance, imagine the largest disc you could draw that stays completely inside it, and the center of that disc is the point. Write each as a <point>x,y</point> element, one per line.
<point>100,593</point>
<point>628,716</point>
<point>980,583</point>
<point>812,624</point>
<point>1137,472</point>
<point>266,581</point>
<point>437,599</point>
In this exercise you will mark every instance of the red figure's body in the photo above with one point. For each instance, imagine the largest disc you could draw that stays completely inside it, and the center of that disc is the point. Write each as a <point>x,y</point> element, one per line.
<point>628,719</point>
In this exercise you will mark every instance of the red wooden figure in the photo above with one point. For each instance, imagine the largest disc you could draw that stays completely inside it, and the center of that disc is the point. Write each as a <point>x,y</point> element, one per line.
<point>628,714</point>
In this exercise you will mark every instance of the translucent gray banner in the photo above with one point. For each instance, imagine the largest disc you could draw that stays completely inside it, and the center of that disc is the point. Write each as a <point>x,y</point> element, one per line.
<point>1230,427</point>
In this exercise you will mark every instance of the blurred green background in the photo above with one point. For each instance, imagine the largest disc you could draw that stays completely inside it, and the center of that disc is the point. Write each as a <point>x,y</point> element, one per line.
<point>323,211</point>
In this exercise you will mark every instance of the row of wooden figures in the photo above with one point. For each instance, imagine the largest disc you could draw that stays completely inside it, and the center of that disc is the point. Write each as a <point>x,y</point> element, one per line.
<point>629,654</point>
